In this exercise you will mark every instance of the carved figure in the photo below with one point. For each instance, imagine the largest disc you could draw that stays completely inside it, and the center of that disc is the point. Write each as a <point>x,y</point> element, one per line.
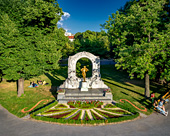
<point>84,70</point>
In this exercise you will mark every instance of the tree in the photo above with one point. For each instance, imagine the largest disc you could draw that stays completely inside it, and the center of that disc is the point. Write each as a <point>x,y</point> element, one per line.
<point>30,43</point>
<point>94,42</point>
<point>141,46</point>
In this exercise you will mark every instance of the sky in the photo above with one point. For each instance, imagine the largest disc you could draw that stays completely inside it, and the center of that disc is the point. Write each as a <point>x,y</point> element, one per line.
<point>82,15</point>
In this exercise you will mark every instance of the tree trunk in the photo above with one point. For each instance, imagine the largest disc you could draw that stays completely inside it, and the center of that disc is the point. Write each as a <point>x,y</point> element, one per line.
<point>20,86</point>
<point>3,79</point>
<point>147,88</point>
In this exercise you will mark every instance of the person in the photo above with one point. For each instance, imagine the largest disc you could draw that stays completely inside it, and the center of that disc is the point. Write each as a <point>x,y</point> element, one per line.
<point>30,84</point>
<point>161,104</point>
<point>160,109</point>
<point>152,97</point>
<point>44,82</point>
<point>34,84</point>
<point>40,82</point>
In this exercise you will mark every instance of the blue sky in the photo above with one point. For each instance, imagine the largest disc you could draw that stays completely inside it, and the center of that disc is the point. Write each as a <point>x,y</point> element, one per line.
<point>82,15</point>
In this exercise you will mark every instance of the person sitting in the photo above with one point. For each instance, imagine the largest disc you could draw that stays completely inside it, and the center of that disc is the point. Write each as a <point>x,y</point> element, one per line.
<point>40,82</point>
<point>161,104</point>
<point>30,84</point>
<point>34,84</point>
<point>44,82</point>
<point>160,109</point>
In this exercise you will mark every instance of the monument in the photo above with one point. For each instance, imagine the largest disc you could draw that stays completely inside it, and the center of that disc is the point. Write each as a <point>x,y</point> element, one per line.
<point>84,86</point>
<point>76,88</point>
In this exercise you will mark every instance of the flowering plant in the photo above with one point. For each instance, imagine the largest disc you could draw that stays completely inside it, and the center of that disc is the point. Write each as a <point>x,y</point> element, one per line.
<point>61,91</point>
<point>85,104</point>
<point>107,90</point>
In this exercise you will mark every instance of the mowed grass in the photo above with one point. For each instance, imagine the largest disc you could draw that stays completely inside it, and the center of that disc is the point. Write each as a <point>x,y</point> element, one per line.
<point>122,88</point>
<point>131,89</point>
<point>31,96</point>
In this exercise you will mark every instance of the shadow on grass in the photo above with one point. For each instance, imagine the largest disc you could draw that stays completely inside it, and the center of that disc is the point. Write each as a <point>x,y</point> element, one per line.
<point>111,73</point>
<point>146,103</point>
<point>123,87</point>
<point>120,76</point>
<point>121,79</point>
<point>158,88</point>
<point>41,107</point>
<point>56,77</point>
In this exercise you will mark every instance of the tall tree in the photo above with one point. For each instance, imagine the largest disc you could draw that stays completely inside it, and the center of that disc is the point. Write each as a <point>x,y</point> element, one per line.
<point>94,42</point>
<point>30,42</point>
<point>141,45</point>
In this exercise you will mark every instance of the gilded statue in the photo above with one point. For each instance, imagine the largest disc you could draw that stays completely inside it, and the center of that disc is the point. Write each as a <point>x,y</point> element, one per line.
<point>84,70</point>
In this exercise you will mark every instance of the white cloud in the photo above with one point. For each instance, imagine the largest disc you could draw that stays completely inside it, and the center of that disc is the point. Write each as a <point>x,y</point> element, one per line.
<point>63,17</point>
<point>60,23</point>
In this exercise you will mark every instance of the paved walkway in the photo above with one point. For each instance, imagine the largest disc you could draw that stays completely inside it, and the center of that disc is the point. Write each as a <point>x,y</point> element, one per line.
<point>154,124</point>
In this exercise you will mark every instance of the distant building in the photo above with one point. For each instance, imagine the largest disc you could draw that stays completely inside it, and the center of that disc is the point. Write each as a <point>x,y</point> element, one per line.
<point>70,36</point>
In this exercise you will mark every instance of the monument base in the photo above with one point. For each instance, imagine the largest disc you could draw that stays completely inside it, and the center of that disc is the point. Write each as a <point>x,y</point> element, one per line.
<point>90,95</point>
<point>84,86</point>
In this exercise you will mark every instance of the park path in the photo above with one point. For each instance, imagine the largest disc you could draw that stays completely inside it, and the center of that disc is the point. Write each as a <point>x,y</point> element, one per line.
<point>155,124</point>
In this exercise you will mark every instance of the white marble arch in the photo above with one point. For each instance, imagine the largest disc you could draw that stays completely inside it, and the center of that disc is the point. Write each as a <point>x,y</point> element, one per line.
<point>73,82</point>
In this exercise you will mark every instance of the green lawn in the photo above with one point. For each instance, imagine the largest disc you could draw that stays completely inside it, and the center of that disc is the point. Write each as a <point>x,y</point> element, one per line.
<point>131,89</point>
<point>122,88</point>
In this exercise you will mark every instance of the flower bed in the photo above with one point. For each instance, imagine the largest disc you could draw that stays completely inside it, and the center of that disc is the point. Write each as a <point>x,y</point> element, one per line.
<point>107,115</point>
<point>107,90</point>
<point>61,91</point>
<point>54,111</point>
<point>81,110</point>
<point>117,111</point>
<point>95,116</point>
<point>76,116</point>
<point>86,117</point>
<point>85,104</point>
<point>61,106</point>
<point>63,115</point>
<point>110,106</point>
<point>60,115</point>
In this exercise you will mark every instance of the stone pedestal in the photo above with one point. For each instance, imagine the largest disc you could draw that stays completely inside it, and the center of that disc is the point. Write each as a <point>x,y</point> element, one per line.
<point>84,86</point>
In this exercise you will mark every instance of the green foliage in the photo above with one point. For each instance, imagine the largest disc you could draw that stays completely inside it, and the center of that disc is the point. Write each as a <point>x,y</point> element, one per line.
<point>80,64</point>
<point>94,42</point>
<point>30,42</point>
<point>139,34</point>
